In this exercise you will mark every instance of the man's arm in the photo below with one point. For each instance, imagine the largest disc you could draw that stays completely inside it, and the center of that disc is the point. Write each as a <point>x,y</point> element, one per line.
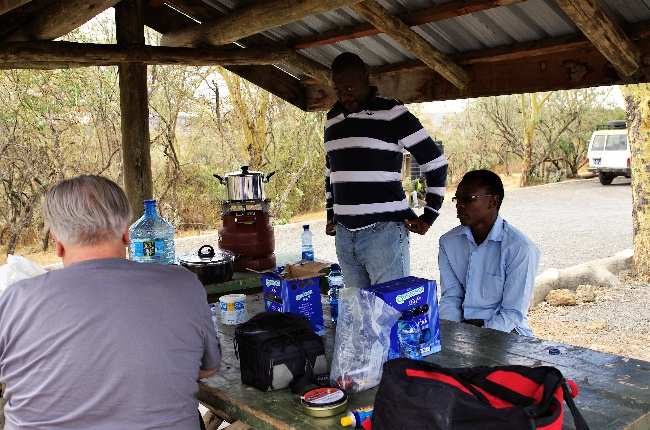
<point>329,200</point>
<point>452,291</point>
<point>211,358</point>
<point>433,163</point>
<point>517,289</point>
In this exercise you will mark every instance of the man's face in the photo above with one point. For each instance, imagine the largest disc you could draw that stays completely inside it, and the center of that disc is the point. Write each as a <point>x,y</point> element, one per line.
<point>474,204</point>
<point>352,87</point>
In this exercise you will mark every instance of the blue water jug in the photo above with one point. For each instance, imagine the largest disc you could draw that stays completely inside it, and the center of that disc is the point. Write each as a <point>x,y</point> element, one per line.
<point>151,238</point>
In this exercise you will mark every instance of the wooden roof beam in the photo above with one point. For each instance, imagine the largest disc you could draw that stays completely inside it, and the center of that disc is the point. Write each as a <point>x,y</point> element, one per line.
<point>7,5</point>
<point>59,17</point>
<point>413,42</point>
<point>250,20</point>
<point>92,54</point>
<point>453,9</point>
<point>604,33</point>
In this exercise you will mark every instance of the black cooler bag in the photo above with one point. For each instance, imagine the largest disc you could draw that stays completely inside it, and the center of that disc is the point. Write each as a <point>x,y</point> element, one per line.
<point>277,349</point>
<point>416,395</point>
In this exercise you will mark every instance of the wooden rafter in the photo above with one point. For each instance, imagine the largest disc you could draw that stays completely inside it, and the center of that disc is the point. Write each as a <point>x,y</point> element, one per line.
<point>605,34</point>
<point>59,17</point>
<point>7,5</point>
<point>250,20</point>
<point>91,54</point>
<point>454,8</point>
<point>413,42</point>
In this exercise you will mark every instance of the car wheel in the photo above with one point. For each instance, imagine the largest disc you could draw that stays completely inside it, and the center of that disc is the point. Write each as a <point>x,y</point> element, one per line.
<point>604,178</point>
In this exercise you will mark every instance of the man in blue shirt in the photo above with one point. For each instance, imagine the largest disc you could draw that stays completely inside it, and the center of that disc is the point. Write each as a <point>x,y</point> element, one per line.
<point>487,267</point>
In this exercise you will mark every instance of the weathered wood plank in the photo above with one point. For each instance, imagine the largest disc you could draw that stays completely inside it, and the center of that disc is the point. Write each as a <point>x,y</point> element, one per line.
<point>250,20</point>
<point>136,157</point>
<point>615,391</point>
<point>59,17</point>
<point>413,42</point>
<point>92,54</point>
<point>606,35</point>
<point>7,5</point>
<point>448,10</point>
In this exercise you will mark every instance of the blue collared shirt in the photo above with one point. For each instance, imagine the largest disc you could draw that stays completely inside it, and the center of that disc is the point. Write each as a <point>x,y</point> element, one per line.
<point>492,281</point>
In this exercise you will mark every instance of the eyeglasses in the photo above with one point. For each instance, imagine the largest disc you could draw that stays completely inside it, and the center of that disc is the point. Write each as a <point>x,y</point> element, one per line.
<point>469,199</point>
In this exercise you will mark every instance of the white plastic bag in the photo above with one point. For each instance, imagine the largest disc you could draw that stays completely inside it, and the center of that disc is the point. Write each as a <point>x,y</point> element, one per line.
<point>362,339</point>
<point>16,269</point>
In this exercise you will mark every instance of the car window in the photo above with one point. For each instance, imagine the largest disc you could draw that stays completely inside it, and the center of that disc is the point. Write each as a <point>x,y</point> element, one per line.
<point>617,142</point>
<point>599,142</point>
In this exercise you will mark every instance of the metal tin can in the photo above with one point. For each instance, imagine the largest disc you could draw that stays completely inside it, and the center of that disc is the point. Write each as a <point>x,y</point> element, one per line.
<point>324,401</point>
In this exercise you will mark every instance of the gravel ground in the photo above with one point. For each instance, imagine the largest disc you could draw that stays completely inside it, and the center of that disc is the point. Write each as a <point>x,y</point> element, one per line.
<point>618,322</point>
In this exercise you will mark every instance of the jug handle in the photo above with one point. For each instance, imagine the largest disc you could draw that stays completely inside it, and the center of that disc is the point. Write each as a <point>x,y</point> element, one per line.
<point>219,178</point>
<point>269,176</point>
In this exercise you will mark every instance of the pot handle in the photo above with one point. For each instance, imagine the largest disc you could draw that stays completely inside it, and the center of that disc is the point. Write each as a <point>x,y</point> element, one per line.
<point>206,254</point>
<point>269,176</point>
<point>220,179</point>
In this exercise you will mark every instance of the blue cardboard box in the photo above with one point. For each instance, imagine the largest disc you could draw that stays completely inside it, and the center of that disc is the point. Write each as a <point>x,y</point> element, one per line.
<point>297,296</point>
<point>417,300</point>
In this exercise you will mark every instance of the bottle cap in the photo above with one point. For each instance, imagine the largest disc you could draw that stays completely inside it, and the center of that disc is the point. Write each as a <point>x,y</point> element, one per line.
<point>334,267</point>
<point>305,227</point>
<point>347,421</point>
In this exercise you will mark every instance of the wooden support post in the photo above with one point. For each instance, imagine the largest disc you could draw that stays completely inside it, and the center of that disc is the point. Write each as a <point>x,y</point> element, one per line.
<point>136,159</point>
<point>374,13</point>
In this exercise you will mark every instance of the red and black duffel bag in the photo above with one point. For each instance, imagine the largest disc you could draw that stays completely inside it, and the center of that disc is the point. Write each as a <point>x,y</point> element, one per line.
<point>417,395</point>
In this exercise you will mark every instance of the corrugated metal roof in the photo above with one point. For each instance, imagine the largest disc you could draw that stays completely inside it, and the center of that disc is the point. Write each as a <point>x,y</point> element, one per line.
<point>522,22</point>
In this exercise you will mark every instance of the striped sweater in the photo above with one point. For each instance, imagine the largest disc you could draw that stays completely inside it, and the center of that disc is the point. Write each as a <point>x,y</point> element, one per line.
<point>364,161</point>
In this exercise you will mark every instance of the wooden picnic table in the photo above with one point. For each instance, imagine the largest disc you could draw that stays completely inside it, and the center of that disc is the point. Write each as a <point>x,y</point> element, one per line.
<point>614,390</point>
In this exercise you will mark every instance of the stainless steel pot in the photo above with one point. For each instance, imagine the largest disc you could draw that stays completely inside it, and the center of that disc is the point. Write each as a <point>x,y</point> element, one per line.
<point>245,185</point>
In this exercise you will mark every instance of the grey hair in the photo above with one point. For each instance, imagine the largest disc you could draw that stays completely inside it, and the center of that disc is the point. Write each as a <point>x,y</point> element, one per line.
<point>86,210</point>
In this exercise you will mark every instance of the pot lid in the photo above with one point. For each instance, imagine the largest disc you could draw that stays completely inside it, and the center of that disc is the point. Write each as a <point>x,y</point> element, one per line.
<point>207,256</point>
<point>245,172</point>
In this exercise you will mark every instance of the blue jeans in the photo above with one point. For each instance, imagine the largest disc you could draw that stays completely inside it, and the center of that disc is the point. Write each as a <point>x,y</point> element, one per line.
<point>373,255</point>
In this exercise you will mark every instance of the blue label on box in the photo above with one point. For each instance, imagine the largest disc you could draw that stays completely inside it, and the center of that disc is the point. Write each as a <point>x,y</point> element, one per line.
<point>296,296</point>
<point>416,299</point>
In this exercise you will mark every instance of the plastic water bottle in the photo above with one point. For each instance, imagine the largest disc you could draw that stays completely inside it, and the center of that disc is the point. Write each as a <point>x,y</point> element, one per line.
<point>151,238</point>
<point>335,282</point>
<point>215,320</point>
<point>408,334</point>
<point>307,244</point>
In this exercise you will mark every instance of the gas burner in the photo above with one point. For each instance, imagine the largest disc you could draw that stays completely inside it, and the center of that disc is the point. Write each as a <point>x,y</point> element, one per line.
<point>229,206</point>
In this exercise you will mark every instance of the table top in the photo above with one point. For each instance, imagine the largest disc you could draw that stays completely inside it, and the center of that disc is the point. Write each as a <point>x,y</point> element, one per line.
<point>614,390</point>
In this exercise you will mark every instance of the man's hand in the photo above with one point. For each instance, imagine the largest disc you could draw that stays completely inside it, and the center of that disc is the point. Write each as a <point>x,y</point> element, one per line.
<point>417,225</point>
<point>330,229</point>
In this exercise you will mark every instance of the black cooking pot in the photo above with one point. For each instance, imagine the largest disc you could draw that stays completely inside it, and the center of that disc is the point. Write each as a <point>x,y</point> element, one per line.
<point>209,265</point>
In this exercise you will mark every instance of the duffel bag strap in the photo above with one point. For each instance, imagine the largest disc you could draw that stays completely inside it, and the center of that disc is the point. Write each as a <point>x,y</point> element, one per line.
<point>578,419</point>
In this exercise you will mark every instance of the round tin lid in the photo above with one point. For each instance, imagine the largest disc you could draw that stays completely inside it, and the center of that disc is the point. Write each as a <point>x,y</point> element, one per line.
<point>207,256</point>
<point>324,397</point>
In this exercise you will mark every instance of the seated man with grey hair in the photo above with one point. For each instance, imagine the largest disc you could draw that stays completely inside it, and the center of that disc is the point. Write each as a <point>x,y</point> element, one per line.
<point>104,343</point>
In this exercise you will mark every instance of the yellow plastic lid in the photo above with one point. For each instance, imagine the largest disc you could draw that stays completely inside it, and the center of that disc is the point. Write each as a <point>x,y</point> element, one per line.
<point>347,421</point>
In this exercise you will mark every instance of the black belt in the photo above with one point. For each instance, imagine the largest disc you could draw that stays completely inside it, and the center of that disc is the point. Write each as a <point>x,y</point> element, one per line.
<point>476,323</point>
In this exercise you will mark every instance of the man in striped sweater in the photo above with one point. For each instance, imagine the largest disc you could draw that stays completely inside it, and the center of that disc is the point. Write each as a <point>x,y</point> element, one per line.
<point>367,209</point>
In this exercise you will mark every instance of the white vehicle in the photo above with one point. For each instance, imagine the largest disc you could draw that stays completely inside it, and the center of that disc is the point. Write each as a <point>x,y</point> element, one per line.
<point>608,153</point>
